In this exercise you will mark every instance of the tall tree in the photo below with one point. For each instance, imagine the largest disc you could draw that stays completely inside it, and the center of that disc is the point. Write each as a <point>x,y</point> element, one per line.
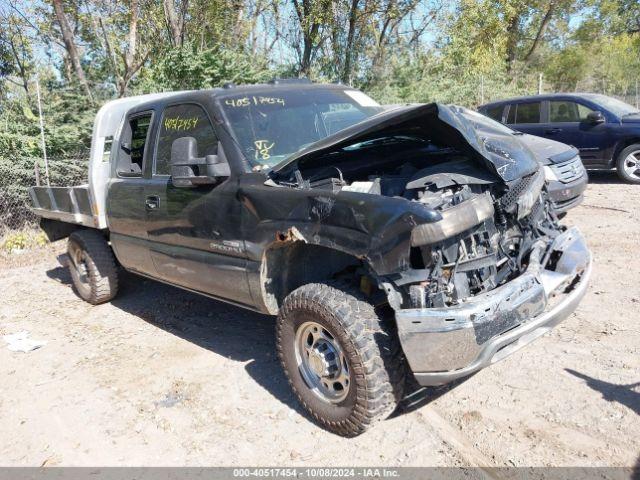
<point>175,13</point>
<point>542,28</point>
<point>348,47</point>
<point>311,15</point>
<point>16,57</point>
<point>70,45</point>
<point>122,39</point>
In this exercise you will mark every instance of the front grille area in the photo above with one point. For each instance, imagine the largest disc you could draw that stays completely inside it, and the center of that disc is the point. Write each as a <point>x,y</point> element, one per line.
<point>510,199</point>
<point>569,171</point>
<point>522,187</point>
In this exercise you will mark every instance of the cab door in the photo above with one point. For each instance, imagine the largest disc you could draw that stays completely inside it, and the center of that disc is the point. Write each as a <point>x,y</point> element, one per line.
<point>126,209</point>
<point>194,232</point>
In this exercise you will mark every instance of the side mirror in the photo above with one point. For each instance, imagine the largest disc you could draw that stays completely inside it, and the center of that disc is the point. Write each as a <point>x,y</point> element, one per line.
<point>188,170</point>
<point>595,117</point>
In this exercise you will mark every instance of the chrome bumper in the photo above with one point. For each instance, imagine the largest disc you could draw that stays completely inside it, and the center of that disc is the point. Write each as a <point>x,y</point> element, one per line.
<point>444,344</point>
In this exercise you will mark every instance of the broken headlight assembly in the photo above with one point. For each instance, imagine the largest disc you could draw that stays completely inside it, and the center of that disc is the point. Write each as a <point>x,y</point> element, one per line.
<point>455,220</point>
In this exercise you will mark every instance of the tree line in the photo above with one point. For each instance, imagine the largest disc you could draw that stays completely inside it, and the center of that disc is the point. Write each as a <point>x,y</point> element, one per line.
<point>85,52</point>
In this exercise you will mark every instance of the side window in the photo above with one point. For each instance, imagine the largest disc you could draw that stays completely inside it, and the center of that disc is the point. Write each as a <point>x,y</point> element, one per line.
<point>187,120</point>
<point>106,151</point>
<point>133,142</point>
<point>495,113</point>
<point>525,112</point>
<point>565,111</point>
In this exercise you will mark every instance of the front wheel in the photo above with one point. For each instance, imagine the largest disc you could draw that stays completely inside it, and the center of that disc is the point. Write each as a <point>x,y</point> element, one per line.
<point>628,164</point>
<point>342,360</point>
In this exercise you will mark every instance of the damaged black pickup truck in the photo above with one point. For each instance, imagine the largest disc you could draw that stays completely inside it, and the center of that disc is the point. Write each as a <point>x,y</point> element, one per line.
<point>388,243</point>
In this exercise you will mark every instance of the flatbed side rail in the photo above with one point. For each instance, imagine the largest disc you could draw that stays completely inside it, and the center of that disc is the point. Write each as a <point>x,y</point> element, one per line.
<point>66,204</point>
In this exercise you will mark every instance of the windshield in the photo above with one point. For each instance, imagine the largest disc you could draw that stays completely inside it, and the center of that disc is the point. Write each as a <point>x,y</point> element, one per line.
<point>272,125</point>
<point>615,106</point>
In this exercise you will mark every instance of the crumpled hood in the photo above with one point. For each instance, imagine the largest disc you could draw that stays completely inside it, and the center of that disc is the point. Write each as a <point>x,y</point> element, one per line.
<point>502,153</point>
<point>549,151</point>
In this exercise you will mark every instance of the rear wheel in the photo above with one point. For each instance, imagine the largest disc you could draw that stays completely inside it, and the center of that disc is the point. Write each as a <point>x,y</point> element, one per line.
<point>628,164</point>
<point>342,360</point>
<point>92,266</point>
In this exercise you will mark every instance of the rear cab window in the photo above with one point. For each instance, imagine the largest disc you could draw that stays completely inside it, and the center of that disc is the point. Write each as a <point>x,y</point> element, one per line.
<point>528,112</point>
<point>184,120</point>
<point>133,145</point>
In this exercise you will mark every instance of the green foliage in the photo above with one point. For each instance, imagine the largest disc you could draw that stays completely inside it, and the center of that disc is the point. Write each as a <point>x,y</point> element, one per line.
<point>465,52</point>
<point>15,241</point>
<point>190,68</point>
<point>68,121</point>
<point>22,239</point>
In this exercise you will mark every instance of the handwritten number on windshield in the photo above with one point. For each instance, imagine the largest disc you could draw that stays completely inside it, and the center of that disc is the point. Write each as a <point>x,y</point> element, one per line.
<point>253,100</point>
<point>262,149</point>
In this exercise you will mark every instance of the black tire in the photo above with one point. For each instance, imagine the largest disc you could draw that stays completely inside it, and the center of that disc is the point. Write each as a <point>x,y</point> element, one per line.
<point>370,346</point>
<point>92,266</point>
<point>621,160</point>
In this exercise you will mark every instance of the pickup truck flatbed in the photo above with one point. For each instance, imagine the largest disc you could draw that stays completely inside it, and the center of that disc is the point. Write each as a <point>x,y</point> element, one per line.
<point>390,243</point>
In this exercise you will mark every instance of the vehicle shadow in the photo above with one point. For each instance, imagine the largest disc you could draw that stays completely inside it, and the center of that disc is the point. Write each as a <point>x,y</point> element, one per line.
<point>605,177</point>
<point>623,394</point>
<point>233,332</point>
<point>417,396</point>
<point>238,334</point>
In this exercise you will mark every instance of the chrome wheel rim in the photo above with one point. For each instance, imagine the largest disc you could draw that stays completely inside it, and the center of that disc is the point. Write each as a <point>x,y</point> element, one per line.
<point>79,267</point>
<point>632,165</point>
<point>322,363</point>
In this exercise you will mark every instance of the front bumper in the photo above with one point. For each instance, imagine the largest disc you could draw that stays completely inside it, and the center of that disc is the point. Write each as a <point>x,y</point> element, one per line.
<point>444,344</point>
<point>565,196</point>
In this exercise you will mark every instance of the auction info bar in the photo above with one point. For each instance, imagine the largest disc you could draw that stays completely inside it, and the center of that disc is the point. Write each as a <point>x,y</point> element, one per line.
<point>358,473</point>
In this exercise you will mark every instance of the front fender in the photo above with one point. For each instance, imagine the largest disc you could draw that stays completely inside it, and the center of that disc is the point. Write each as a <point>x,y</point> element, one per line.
<point>374,228</point>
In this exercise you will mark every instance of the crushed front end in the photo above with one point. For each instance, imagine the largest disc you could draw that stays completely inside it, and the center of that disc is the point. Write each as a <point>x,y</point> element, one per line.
<point>495,273</point>
<point>454,220</point>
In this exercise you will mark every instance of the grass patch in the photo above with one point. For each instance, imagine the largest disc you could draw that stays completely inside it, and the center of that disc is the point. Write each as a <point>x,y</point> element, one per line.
<point>18,241</point>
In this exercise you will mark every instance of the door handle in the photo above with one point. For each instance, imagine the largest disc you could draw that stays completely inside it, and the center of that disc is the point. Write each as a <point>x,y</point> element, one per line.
<point>152,202</point>
<point>552,131</point>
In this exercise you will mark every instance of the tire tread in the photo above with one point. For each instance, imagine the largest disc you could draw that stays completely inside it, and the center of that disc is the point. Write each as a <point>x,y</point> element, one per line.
<point>101,263</point>
<point>382,368</point>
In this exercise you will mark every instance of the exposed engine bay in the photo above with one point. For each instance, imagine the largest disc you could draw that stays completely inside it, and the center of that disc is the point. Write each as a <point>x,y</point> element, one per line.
<point>486,231</point>
<point>451,220</point>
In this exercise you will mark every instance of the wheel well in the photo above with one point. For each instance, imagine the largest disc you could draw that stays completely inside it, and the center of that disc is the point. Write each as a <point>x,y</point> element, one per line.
<point>622,144</point>
<point>56,229</point>
<point>287,267</point>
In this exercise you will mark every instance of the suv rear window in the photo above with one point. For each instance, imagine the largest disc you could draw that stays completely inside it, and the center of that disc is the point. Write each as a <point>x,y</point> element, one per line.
<point>524,113</point>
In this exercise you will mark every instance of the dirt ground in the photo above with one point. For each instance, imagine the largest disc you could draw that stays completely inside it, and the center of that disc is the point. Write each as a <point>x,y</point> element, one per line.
<point>165,377</point>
